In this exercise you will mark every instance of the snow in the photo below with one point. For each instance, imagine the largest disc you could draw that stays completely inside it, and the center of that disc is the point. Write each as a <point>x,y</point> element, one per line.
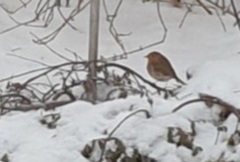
<point>200,47</point>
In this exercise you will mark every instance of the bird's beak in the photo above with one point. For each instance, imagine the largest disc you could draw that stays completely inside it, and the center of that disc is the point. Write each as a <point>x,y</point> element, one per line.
<point>146,56</point>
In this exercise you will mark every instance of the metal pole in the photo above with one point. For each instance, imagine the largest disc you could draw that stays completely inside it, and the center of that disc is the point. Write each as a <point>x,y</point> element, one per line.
<point>93,46</point>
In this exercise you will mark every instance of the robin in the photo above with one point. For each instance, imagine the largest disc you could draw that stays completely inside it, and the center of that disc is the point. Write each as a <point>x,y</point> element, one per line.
<point>176,3</point>
<point>160,68</point>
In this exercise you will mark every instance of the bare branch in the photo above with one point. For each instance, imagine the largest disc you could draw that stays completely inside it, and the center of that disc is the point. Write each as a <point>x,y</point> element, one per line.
<point>51,68</point>
<point>118,125</point>
<point>122,55</point>
<point>54,34</point>
<point>28,59</point>
<point>127,117</point>
<point>221,7</point>
<point>213,100</point>
<point>186,14</point>
<point>28,101</point>
<point>235,14</point>
<point>77,57</point>
<point>23,74</point>
<point>51,49</point>
<point>204,7</point>
<point>189,6</point>
<point>45,106</point>
<point>159,89</point>
<point>45,10</point>
<point>112,29</point>
<point>62,15</point>
<point>24,4</point>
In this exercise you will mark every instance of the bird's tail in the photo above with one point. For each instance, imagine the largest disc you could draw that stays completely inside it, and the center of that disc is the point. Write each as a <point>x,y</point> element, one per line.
<point>180,81</point>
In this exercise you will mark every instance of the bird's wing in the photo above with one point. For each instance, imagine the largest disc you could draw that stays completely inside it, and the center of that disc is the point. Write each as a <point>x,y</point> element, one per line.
<point>165,68</point>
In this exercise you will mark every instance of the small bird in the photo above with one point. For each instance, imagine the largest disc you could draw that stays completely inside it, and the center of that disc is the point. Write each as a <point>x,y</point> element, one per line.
<point>160,68</point>
<point>176,3</point>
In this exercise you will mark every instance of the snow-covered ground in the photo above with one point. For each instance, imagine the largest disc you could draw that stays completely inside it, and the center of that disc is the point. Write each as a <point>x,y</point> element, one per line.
<point>200,47</point>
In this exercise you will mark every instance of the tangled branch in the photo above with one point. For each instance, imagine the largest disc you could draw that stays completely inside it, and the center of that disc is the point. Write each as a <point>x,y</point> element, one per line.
<point>45,10</point>
<point>67,20</point>
<point>112,29</point>
<point>125,53</point>
<point>226,8</point>
<point>37,93</point>
<point>118,125</point>
<point>24,5</point>
<point>159,89</point>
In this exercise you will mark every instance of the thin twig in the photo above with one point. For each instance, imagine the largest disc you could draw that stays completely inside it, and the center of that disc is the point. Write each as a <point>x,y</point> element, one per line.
<point>204,7</point>
<point>220,19</point>
<point>51,49</point>
<point>27,59</point>
<point>138,75</point>
<point>185,15</point>
<point>221,7</point>
<point>24,5</point>
<point>51,68</point>
<point>23,74</point>
<point>17,26</point>
<point>209,7</point>
<point>75,54</point>
<point>214,100</point>
<point>65,19</point>
<point>45,106</point>
<point>15,95</point>
<point>127,117</point>
<point>121,55</point>
<point>53,35</point>
<point>235,14</point>
<point>112,29</point>
<point>118,125</point>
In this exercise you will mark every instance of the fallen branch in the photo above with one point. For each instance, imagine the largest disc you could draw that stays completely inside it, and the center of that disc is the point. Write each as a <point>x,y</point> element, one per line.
<point>212,100</point>
<point>45,106</point>
<point>27,101</point>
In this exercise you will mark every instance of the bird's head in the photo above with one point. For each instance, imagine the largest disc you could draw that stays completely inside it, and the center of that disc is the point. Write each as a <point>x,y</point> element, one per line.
<point>153,56</point>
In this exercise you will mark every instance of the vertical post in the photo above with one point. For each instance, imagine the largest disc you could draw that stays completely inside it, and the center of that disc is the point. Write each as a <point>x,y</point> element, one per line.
<point>67,3</point>
<point>58,3</point>
<point>93,46</point>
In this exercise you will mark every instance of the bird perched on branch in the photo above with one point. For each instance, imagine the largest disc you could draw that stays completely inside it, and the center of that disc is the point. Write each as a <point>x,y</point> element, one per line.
<point>160,68</point>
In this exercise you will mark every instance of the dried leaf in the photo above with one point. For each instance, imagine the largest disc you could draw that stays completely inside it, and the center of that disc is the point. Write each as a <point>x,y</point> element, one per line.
<point>5,158</point>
